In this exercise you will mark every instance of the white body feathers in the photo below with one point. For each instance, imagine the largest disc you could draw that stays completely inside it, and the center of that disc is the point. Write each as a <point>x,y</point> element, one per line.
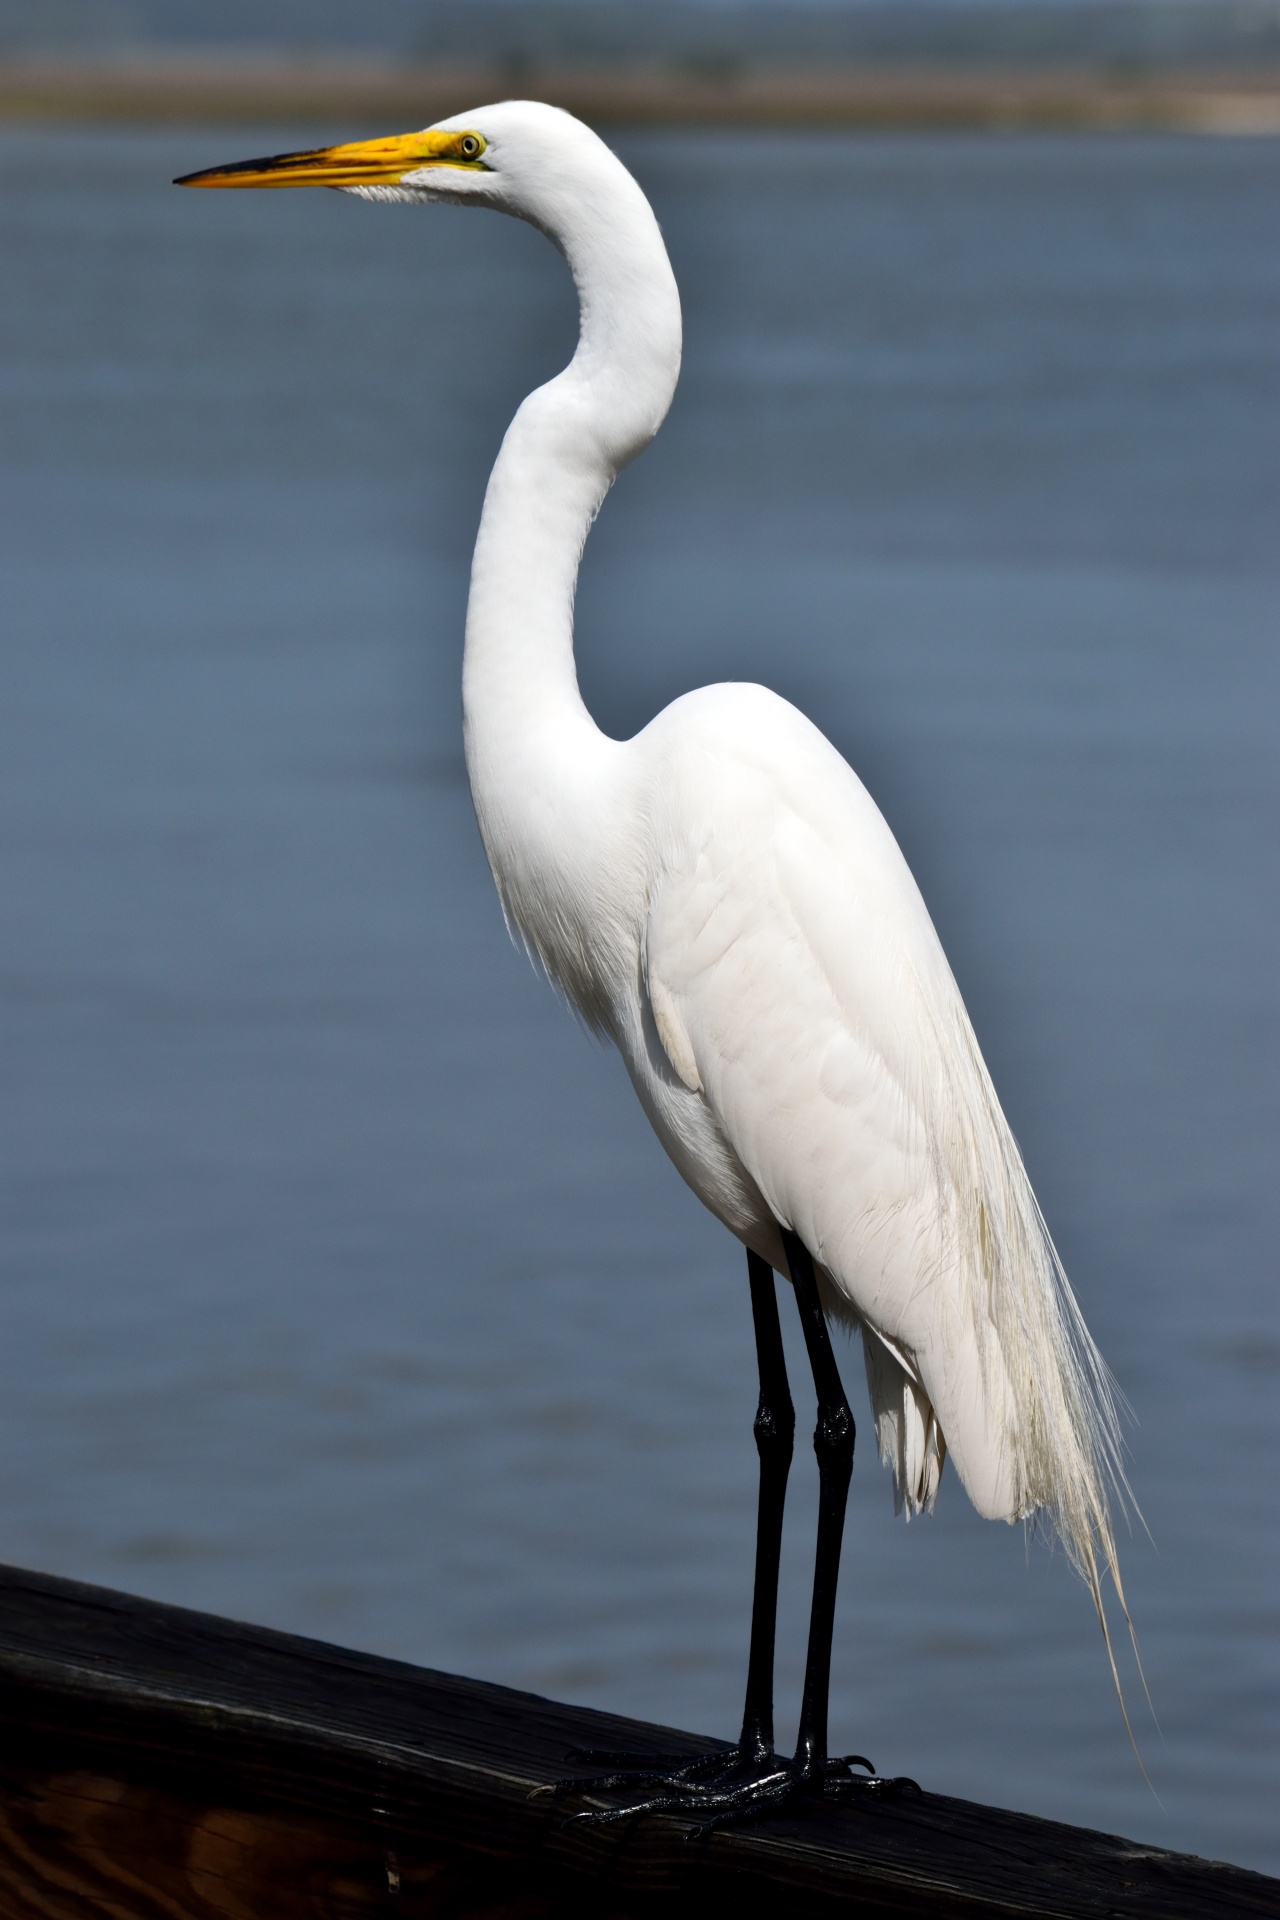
<point>722,898</point>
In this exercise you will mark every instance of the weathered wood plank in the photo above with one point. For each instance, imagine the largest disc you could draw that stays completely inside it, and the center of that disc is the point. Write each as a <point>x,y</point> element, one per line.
<point>166,1765</point>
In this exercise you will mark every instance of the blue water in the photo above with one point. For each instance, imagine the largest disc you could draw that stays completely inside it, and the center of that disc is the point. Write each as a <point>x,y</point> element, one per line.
<point>344,1287</point>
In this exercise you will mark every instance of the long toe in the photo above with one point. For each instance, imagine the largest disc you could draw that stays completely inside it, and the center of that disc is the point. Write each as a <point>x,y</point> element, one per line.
<point>632,1810</point>
<point>671,1772</point>
<point>765,1798</point>
<point>714,1804</point>
<point>721,1788</point>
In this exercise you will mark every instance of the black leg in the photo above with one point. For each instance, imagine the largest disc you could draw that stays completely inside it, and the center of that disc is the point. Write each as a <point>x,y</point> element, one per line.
<point>724,1785</point>
<point>833,1440</point>
<point>775,1428</point>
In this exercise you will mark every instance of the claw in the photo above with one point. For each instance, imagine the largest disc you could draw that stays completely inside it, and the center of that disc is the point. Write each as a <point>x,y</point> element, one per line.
<point>882,1785</point>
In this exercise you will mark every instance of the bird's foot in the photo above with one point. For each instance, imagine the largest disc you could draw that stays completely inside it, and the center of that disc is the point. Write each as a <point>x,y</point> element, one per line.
<point>724,1786</point>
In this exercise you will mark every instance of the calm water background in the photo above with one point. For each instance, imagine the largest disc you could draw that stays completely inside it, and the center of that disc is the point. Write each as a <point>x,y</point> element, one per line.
<point>344,1287</point>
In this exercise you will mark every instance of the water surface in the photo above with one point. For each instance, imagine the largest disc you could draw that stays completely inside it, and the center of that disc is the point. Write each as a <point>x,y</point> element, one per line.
<point>344,1288</point>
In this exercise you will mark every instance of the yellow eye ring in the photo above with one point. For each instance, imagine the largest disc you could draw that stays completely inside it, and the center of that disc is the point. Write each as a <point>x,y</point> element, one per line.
<point>470,146</point>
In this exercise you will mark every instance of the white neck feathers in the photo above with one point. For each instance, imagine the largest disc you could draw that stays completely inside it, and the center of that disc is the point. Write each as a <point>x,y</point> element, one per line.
<point>537,762</point>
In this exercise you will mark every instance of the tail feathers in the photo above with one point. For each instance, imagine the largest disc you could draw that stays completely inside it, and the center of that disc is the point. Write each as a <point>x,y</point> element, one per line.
<point>911,1444</point>
<point>1046,1385</point>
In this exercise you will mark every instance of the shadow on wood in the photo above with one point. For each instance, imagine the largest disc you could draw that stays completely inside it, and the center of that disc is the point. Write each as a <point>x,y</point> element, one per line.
<point>157,1764</point>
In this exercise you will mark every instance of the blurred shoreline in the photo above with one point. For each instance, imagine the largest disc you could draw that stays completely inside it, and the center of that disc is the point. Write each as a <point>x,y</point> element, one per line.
<point>152,90</point>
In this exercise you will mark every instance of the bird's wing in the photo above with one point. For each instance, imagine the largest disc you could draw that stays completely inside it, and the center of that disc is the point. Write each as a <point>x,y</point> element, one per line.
<point>797,982</point>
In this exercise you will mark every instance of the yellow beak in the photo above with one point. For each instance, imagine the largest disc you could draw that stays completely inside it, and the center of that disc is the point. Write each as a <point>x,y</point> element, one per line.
<point>360,163</point>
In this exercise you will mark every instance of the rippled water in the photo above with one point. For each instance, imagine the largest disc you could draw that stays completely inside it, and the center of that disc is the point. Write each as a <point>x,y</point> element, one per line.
<point>343,1286</point>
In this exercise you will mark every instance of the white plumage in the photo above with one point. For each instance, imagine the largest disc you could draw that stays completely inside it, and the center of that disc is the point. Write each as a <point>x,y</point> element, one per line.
<point>722,898</point>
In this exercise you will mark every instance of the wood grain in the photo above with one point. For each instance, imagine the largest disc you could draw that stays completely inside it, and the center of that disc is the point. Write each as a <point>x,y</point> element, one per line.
<point>157,1764</point>
<point>77,1844</point>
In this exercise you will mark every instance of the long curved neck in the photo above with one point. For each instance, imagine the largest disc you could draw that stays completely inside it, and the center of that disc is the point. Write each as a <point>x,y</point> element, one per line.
<point>530,742</point>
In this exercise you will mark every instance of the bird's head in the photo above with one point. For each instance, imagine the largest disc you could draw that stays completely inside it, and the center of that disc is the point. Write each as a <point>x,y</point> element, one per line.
<point>519,156</point>
<point>539,163</point>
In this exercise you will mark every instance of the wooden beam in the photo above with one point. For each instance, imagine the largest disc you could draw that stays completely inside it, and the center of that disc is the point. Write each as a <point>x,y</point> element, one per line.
<point>158,1764</point>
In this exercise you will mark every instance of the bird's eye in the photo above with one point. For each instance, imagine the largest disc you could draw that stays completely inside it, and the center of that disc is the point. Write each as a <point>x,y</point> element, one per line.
<point>469,146</point>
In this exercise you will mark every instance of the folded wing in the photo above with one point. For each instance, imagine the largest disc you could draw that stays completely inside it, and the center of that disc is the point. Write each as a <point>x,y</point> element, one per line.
<point>792,962</point>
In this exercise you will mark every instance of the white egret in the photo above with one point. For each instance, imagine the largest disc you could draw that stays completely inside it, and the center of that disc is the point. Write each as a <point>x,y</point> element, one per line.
<point>722,899</point>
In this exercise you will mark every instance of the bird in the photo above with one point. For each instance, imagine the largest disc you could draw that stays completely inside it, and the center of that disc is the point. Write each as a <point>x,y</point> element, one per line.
<point>720,897</point>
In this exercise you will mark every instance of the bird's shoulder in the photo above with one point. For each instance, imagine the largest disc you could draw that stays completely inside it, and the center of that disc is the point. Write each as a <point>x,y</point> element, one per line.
<point>780,904</point>
<point>755,817</point>
<point>724,758</point>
